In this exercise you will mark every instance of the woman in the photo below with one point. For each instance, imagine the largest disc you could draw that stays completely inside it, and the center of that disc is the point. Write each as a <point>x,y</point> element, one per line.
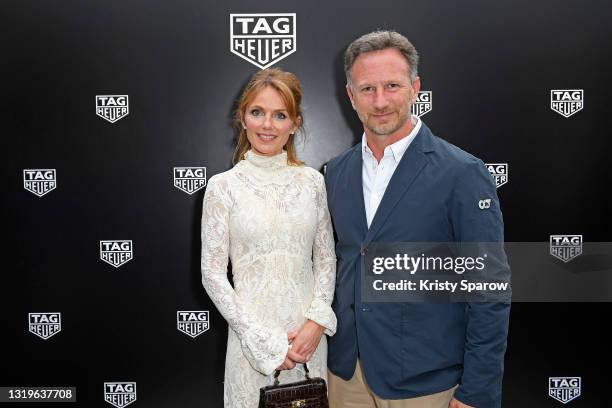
<point>268,214</point>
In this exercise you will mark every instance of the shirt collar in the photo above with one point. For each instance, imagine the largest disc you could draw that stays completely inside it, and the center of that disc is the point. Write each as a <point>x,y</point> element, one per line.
<point>398,148</point>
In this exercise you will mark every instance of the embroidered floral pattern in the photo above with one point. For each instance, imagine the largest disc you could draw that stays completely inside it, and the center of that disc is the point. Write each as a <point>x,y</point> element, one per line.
<point>271,220</point>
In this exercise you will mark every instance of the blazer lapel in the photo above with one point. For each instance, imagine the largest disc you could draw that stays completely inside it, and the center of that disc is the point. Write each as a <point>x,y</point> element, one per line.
<point>356,186</point>
<point>408,169</point>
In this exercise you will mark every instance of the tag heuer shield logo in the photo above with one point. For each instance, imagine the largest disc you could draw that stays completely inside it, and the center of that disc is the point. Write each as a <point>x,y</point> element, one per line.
<point>39,181</point>
<point>192,323</point>
<point>120,394</point>
<point>422,104</point>
<point>564,389</point>
<point>112,107</point>
<point>116,252</point>
<point>45,325</point>
<point>189,179</point>
<point>499,171</point>
<point>263,39</point>
<point>566,102</point>
<point>565,247</point>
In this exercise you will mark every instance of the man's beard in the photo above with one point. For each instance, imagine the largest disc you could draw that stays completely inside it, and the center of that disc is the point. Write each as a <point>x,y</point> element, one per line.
<point>387,128</point>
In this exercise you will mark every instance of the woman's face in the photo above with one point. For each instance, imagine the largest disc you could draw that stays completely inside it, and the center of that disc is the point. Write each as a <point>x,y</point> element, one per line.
<point>267,123</point>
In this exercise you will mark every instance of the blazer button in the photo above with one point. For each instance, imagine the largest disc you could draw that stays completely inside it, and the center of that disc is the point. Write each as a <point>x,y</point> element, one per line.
<point>364,251</point>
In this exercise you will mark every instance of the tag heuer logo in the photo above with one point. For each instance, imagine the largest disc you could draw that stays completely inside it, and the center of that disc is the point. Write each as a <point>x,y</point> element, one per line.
<point>192,323</point>
<point>484,204</point>
<point>39,181</point>
<point>564,389</point>
<point>566,102</point>
<point>565,247</point>
<point>116,252</point>
<point>263,39</point>
<point>45,325</point>
<point>112,107</point>
<point>423,104</point>
<point>499,171</point>
<point>120,394</point>
<point>189,179</point>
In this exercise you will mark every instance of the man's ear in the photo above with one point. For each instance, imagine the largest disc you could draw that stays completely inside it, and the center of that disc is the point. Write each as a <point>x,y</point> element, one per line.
<point>416,87</point>
<point>349,92</point>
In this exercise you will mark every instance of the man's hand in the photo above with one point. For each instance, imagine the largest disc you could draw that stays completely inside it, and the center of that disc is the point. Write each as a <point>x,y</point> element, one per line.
<point>305,342</point>
<point>455,403</point>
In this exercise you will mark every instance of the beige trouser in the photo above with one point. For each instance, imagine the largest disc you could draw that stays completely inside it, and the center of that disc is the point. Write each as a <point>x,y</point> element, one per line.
<point>355,393</point>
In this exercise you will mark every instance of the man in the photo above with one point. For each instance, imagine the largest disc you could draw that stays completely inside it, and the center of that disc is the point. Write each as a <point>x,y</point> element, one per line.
<point>403,184</point>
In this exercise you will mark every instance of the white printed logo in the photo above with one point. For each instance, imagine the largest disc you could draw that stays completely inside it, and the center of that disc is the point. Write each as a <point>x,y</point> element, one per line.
<point>423,104</point>
<point>189,179</point>
<point>565,247</point>
<point>192,322</point>
<point>45,325</point>
<point>112,107</point>
<point>116,252</point>
<point>263,39</point>
<point>564,389</point>
<point>484,204</point>
<point>499,171</point>
<point>120,394</point>
<point>566,102</point>
<point>39,181</point>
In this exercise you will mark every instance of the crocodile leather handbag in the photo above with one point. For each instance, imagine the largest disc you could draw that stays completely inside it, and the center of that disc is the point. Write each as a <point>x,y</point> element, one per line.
<point>309,393</point>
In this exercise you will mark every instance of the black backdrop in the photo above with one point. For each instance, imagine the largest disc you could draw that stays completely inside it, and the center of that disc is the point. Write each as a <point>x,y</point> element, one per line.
<point>489,65</point>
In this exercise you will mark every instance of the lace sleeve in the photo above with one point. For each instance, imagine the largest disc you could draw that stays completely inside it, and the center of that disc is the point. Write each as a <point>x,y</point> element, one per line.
<point>324,265</point>
<point>264,347</point>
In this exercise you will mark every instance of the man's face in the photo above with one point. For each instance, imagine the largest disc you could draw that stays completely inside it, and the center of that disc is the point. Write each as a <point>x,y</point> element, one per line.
<point>381,91</point>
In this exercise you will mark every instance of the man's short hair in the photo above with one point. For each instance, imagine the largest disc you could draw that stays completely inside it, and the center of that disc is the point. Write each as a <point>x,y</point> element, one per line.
<point>378,41</point>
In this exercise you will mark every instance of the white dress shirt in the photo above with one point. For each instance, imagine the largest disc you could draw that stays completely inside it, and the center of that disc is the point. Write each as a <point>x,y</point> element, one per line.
<point>376,176</point>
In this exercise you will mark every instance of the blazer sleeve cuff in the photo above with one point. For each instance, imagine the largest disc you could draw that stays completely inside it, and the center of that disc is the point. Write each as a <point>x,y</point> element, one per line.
<point>477,399</point>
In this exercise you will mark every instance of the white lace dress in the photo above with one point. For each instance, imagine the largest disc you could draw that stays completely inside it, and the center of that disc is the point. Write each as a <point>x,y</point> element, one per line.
<point>271,220</point>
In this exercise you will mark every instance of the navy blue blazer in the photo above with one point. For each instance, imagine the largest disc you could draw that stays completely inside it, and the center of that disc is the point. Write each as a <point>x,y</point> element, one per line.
<point>414,349</point>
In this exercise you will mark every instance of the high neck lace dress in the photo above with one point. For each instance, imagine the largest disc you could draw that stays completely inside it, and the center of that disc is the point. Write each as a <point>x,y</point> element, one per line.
<point>271,220</point>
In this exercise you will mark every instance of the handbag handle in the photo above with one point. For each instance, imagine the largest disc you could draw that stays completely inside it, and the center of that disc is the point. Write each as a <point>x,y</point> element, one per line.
<point>277,373</point>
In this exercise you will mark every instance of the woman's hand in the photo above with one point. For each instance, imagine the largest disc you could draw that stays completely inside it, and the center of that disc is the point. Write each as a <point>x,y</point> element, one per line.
<point>305,342</point>
<point>288,364</point>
